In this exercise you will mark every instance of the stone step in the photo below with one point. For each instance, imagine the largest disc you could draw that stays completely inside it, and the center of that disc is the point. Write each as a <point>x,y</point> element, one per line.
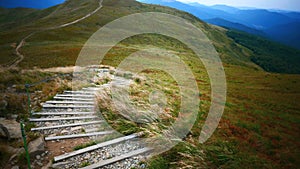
<point>76,95</point>
<point>78,135</point>
<point>94,147</point>
<point>62,118</point>
<point>63,113</point>
<point>49,106</point>
<point>79,92</point>
<point>73,98</point>
<point>94,89</point>
<point>118,158</point>
<point>91,130</point>
<point>70,102</point>
<point>67,125</point>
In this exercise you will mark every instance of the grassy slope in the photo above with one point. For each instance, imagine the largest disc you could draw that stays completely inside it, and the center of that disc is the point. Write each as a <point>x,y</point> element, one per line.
<point>260,126</point>
<point>13,32</point>
<point>271,56</point>
<point>9,17</point>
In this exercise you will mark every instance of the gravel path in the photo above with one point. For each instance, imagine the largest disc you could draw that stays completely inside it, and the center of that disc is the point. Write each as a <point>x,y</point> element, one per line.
<point>108,149</point>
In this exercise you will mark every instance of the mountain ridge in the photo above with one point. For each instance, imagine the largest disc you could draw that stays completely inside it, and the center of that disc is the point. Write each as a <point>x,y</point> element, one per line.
<point>60,14</point>
<point>260,19</point>
<point>261,105</point>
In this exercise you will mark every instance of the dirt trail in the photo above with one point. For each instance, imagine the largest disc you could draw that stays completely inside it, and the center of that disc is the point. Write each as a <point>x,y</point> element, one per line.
<point>21,44</point>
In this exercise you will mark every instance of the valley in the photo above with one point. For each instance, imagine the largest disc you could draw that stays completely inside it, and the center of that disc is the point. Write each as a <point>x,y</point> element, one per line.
<point>260,124</point>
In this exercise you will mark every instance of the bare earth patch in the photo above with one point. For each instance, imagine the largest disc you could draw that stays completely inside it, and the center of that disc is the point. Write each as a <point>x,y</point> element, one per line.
<point>64,146</point>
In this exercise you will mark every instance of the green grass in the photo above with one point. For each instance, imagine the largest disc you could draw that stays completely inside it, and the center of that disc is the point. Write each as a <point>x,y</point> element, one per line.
<point>84,164</point>
<point>249,126</point>
<point>158,163</point>
<point>119,123</point>
<point>261,107</point>
<point>18,100</point>
<point>84,145</point>
<point>260,124</point>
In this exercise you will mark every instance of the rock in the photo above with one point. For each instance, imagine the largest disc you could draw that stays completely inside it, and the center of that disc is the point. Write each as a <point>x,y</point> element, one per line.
<point>36,147</point>
<point>47,124</point>
<point>76,128</point>
<point>64,132</point>
<point>39,164</point>
<point>38,157</point>
<point>14,116</point>
<point>10,129</point>
<point>143,166</point>
<point>18,152</point>
<point>11,149</point>
<point>60,164</point>
<point>88,156</point>
<point>15,167</point>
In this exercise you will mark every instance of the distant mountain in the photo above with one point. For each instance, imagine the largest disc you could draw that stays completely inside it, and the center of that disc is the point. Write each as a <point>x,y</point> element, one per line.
<point>294,15</point>
<point>38,4</point>
<point>267,23</point>
<point>262,19</point>
<point>286,33</point>
<point>254,18</point>
<point>236,26</point>
<point>225,8</point>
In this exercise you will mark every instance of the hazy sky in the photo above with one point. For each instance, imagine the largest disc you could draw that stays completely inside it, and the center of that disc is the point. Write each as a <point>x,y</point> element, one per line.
<point>266,4</point>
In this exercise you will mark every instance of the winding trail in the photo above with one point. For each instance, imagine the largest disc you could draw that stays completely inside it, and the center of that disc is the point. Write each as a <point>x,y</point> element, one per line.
<point>21,44</point>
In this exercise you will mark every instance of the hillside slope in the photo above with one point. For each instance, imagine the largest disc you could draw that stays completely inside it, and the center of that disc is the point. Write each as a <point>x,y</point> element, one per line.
<point>271,56</point>
<point>72,10</point>
<point>54,38</point>
<point>260,125</point>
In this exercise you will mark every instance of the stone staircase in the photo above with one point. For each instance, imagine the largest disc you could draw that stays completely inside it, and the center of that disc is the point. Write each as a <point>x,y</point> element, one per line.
<point>74,114</point>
